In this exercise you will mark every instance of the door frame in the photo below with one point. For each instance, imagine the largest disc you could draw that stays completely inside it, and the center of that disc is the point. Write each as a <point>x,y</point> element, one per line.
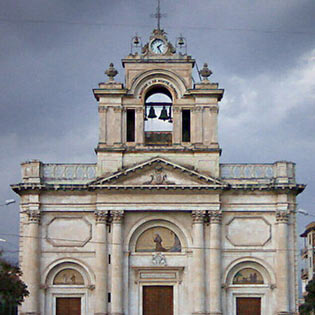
<point>153,284</point>
<point>249,295</point>
<point>56,295</point>
<point>158,276</point>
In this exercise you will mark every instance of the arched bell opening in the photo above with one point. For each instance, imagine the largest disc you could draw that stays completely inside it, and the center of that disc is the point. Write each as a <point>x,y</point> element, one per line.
<point>158,118</point>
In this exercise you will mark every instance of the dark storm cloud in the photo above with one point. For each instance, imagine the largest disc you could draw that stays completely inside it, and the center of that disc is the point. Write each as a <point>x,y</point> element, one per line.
<point>52,53</point>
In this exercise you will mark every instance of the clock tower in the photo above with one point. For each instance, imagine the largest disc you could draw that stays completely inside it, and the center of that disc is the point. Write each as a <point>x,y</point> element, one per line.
<point>159,111</point>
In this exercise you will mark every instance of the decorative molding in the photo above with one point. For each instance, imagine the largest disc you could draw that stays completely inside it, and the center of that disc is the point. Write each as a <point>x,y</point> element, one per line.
<point>215,217</point>
<point>117,216</point>
<point>139,110</point>
<point>101,216</point>
<point>282,216</point>
<point>176,109</point>
<point>33,216</point>
<point>198,109</point>
<point>248,231</point>
<point>58,236</point>
<point>198,216</point>
<point>159,259</point>
<point>158,177</point>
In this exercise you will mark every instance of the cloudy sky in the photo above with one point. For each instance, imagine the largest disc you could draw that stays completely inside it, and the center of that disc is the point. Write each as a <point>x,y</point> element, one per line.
<point>53,52</point>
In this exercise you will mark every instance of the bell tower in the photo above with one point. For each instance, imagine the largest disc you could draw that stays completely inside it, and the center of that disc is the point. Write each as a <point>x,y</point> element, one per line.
<point>158,111</point>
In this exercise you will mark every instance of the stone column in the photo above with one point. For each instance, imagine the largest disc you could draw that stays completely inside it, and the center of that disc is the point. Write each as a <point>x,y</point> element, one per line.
<point>101,263</point>
<point>177,126</point>
<point>31,264</point>
<point>198,263</point>
<point>139,126</point>
<point>283,266</point>
<point>102,123</point>
<point>215,263</point>
<point>207,126</point>
<point>117,263</point>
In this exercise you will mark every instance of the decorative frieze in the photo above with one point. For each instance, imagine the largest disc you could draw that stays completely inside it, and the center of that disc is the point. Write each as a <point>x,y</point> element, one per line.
<point>198,216</point>
<point>101,216</point>
<point>215,217</point>
<point>282,216</point>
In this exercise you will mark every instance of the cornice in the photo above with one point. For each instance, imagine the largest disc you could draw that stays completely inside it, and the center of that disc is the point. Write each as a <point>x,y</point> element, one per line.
<point>283,188</point>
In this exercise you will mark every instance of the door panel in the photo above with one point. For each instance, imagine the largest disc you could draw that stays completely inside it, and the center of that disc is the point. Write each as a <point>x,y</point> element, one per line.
<point>68,306</point>
<point>248,306</point>
<point>157,300</point>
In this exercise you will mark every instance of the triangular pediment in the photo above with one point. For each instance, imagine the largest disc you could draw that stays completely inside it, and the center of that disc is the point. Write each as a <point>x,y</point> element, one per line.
<point>157,172</point>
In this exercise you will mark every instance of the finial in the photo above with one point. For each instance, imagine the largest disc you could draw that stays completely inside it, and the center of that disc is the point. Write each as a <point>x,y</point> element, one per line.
<point>205,72</point>
<point>158,15</point>
<point>111,72</point>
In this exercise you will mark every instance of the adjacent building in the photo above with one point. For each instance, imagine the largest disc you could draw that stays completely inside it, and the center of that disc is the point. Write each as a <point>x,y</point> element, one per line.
<point>307,255</point>
<point>158,225</point>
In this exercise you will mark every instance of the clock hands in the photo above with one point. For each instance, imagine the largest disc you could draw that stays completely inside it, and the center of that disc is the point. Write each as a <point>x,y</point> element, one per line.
<point>158,47</point>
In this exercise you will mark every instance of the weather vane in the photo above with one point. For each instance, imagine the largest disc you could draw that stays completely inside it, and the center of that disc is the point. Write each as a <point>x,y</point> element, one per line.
<point>158,15</point>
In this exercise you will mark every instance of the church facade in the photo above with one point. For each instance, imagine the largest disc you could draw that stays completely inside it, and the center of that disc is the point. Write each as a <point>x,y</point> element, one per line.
<point>158,225</point>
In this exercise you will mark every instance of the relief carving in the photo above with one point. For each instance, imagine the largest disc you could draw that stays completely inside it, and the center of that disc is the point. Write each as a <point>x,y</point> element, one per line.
<point>158,178</point>
<point>159,259</point>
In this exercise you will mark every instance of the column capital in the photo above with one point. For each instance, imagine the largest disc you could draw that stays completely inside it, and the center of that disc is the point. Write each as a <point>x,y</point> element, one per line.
<point>198,216</point>
<point>118,109</point>
<point>101,216</point>
<point>139,109</point>
<point>176,109</point>
<point>215,217</point>
<point>282,217</point>
<point>117,216</point>
<point>33,216</point>
<point>102,109</point>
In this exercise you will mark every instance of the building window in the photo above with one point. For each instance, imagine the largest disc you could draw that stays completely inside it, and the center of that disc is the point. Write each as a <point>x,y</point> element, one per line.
<point>186,125</point>
<point>130,125</point>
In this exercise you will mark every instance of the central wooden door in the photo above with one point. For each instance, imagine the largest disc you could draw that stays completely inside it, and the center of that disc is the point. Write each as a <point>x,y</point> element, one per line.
<point>68,306</point>
<point>158,300</point>
<point>248,306</point>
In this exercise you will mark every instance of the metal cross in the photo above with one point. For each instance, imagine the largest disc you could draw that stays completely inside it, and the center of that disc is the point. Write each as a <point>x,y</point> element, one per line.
<point>158,15</point>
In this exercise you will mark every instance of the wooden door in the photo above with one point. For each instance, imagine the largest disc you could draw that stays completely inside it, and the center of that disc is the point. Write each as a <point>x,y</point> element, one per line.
<point>248,306</point>
<point>68,306</point>
<point>158,300</point>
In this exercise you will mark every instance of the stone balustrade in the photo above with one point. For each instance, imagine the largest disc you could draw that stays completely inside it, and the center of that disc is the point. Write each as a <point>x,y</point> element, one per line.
<point>279,172</point>
<point>37,172</point>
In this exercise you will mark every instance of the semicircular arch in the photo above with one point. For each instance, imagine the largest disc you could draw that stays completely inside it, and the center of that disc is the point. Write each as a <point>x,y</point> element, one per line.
<point>147,80</point>
<point>68,263</point>
<point>249,262</point>
<point>152,222</point>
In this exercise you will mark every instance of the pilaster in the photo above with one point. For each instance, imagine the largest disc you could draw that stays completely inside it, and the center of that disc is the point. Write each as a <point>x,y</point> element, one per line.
<point>101,269</point>
<point>199,263</point>
<point>117,263</point>
<point>215,262</point>
<point>283,264</point>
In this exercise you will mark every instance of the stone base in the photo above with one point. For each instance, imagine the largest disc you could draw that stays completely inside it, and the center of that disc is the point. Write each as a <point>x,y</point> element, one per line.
<point>215,313</point>
<point>100,313</point>
<point>199,313</point>
<point>115,313</point>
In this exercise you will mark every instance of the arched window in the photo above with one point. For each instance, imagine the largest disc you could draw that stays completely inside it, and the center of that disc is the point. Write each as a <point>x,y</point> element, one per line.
<point>158,239</point>
<point>158,116</point>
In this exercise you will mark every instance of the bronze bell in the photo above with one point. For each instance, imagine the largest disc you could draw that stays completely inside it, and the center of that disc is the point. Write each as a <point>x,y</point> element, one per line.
<point>152,113</point>
<point>170,119</point>
<point>163,115</point>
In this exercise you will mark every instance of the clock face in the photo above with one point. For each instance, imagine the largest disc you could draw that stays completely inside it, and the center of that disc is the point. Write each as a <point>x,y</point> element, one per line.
<point>158,46</point>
